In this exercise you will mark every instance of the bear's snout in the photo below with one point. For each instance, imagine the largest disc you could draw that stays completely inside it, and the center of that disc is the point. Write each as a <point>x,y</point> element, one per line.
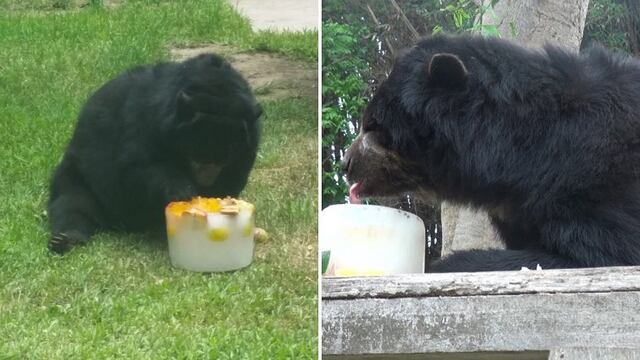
<point>353,157</point>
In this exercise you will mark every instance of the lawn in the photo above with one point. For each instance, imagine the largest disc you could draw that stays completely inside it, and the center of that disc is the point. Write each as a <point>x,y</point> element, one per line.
<point>119,297</point>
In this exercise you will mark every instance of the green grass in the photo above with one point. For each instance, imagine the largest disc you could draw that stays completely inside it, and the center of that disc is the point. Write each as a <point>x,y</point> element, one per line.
<point>119,297</point>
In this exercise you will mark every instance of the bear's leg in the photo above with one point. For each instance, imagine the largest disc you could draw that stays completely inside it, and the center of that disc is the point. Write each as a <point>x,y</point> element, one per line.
<point>609,237</point>
<point>500,260</point>
<point>74,214</point>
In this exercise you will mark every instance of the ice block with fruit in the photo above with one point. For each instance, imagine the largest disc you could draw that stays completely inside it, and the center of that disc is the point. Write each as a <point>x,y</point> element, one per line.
<point>210,234</point>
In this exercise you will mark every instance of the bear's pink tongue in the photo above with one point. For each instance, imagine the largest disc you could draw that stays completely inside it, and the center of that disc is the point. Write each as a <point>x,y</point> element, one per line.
<point>353,194</point>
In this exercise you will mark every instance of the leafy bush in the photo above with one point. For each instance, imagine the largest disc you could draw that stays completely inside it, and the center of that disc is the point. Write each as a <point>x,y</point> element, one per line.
<point>343,85</point>
<point>614,24</point>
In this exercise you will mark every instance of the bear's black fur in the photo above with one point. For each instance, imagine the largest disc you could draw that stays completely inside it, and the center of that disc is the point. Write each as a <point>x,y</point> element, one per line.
<point>153,135</point>
<point>547,141</point>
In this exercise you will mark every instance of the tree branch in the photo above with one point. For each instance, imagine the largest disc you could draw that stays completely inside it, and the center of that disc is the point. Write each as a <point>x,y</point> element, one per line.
<point>379,26</point>
<point>405,20</point>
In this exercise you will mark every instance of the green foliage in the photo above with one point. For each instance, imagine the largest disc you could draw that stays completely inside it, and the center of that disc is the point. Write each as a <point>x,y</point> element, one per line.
<point>451,15</point>
<point>467,17</point>
<point>606,24</point>
<point>344,82</point>
<point>463,14</point>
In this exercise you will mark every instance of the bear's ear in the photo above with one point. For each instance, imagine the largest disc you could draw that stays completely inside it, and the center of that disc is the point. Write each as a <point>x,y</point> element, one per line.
<point>447,71</point>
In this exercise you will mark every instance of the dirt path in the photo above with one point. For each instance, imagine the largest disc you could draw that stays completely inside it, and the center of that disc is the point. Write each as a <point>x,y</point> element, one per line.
<point>271,76</point>
<point>279,15</point>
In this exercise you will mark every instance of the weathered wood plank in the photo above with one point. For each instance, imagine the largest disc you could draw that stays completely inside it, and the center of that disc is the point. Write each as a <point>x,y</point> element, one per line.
<point>588,353</point>
<point>487,283</point>
<point>583,353</point>
<point>494,323</point>
<point>508,355</point>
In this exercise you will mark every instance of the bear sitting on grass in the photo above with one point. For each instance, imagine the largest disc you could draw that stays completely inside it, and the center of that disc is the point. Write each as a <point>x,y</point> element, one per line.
<point>547,141</point>
<point>153,135</point>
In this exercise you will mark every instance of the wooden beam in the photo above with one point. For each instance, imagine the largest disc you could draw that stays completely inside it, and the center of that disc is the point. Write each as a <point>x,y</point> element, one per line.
<point>509,355</point>
<point>555,354</point>
<point>527,313</point>
<point>487,283</point>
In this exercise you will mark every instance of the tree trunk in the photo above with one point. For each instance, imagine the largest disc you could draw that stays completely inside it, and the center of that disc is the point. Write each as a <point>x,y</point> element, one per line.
<point>539,21</point>
<point>534,22</point>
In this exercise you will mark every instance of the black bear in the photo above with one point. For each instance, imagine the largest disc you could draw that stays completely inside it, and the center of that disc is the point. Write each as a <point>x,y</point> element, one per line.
<point>150,136</point>
<point>547,141</point>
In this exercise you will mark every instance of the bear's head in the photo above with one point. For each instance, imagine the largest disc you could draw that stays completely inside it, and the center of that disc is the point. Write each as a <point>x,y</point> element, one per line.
<point>216,118</point>
<point>401,131</point>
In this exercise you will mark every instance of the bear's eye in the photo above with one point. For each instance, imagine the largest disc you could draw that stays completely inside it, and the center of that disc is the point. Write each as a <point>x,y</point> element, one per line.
<point>382,138</point>
<point>371,126</point>
<point>379,134</point>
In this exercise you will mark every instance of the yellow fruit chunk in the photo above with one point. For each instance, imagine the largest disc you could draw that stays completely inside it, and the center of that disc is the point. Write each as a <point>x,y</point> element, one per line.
<point>171,230</point>
<point>178,207</point>
<point>206,204</point>
<point>355,272</point>
<point>260,235</point>
<point>218,234</point>
<point>198,205</point>
<point>247,230</point>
